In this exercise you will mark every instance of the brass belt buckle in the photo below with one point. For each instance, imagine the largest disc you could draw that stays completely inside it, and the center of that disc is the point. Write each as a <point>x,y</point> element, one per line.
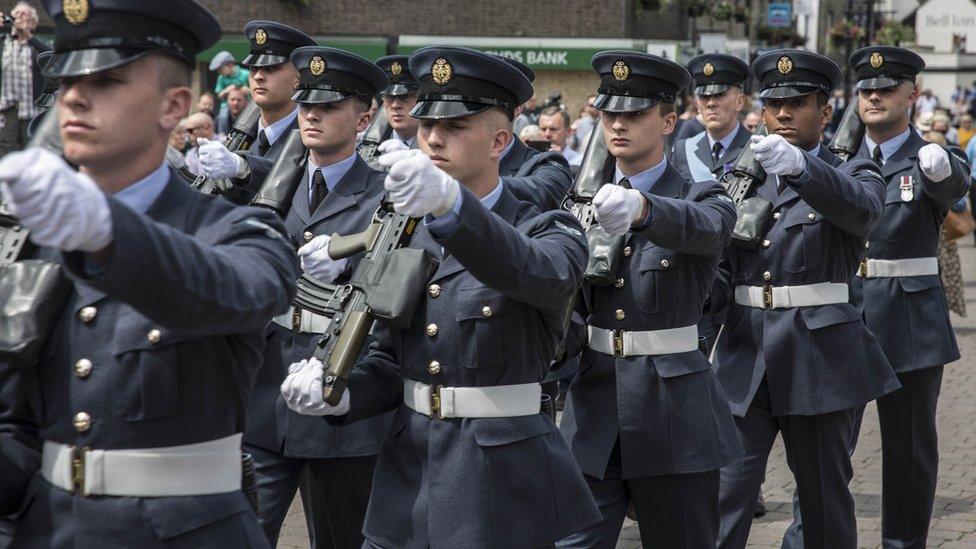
<point>435,402</point>
<point>862,269</point>
<point>618,343</point>
<point>78,470</point>
<point>768,296</point>
<point>296,318</point>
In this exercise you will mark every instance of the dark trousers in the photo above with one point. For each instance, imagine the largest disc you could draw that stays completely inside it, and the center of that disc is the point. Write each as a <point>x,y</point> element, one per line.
<point>13,133</point>
<point>335,497</point>
<point>673,511</point>
<point>817,453</point>
<point>909,458</point>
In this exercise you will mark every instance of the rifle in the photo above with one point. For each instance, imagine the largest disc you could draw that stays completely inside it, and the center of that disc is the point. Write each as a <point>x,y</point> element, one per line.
<point>752,212</point>
<point>377,132</point>
<point>240,138</point>
<point>279,187</point>
<point>388,284</point>
<point>596,170</point>
<point>849,135</point>
<point>32,291</point>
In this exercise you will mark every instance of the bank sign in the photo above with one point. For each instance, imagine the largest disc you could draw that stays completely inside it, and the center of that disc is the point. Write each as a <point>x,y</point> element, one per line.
<point>538,53</point>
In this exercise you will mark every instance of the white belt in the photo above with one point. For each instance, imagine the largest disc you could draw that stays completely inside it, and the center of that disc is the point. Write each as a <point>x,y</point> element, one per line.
<point>303,321</point>
<point>655,342</point>
<point>212,467</point>
<point>783,297</point>
<point>884,268</point>
<point>481,402</point>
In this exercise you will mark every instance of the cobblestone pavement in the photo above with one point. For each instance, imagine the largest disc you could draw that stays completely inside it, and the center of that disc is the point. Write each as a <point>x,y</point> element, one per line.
<point>954,518</point>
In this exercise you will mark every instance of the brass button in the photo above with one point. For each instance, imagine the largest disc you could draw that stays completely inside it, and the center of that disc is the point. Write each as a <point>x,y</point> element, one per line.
<point>434,368</point>
<point>154,336</point>
<point>665,263</point>
<point>812,216</point>
<point>82,422</point>
<point>627,251</point>
<point>767,276</point>
<point>619,283</point>
<point>620,314</point>
<point>434,290</point>
<point>486,311</point>
<point>432,330</point>
<point>308,236</point>
<point>867,245</point>
<point>83,368</point>
<point>776,215</point>
<point>87,314</point>
<point>766,243</point>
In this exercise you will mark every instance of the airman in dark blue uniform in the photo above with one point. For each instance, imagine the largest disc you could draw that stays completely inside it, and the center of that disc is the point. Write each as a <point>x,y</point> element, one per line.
<point>145,378</point>
<point>898,288</point>
<point>794,356</point>
<point>470,461</point>
<point>338,193</point>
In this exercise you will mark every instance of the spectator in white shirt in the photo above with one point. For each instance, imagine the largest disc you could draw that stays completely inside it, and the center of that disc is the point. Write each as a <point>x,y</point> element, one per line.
<point>927,103</point>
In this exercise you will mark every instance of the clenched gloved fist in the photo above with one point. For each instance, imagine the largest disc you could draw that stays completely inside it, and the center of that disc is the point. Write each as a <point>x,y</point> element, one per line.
<point>62,208</point>
<point>391,145</point>
<point>218,162</point>
<point>302,390</point>
<point>618,208</point>
<point>934,162</point>
<point>417,187</point>
<point>317,262</point>
<point>777,156</point>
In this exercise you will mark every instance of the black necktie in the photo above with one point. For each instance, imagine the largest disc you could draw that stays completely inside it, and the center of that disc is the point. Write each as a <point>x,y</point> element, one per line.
<point>716,152</point>
<point>624,182</point>
<point>877,156</point>
<point>319,190</point>
<point>263,144</point>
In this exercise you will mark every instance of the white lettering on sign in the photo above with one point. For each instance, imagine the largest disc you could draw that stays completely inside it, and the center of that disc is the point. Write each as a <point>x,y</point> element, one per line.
<point>530,57</point>
<point>948,20</point>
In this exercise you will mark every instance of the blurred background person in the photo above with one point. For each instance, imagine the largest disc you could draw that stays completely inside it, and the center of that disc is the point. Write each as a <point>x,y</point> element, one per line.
<point>751,120</point>
<point>230,77</point>
<point>206,103</point>
<point>237,99</point>
<point>21,82</point>
<point>197,125</point>
<point>554,125</point>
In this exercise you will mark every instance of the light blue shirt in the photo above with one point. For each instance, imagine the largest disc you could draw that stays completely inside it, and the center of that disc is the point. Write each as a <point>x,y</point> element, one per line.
<point>449,222</point>
<point>572,157</point>
<point>276,130</point>
<point>816,150</point>
<point>409,142</point>
<point>645,180</point>
<point>140,195</point>
<point>725,141</point>
<point>333,173</point>
<point>889,147</point>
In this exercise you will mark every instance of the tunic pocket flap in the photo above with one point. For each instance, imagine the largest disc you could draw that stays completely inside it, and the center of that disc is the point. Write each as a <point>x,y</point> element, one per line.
<point>506,430</point>
<point>680,364</point>
<point>828,315</point>
<point>802,218</point>
<point>135,332</point>
<point>913,284</point>
<point>174,516</point>
<point>658,259</point>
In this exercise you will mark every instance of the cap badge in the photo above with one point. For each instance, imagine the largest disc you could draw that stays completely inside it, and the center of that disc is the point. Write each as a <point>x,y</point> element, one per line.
<point>441,72</point>
<point>784,65</point>
<point>620,70</point>
<point>260,37</point>
<point>876,60</point>
<point>708,69</point>
<point>396,68</point>
<point>317,66</point>
<point>75,11</point>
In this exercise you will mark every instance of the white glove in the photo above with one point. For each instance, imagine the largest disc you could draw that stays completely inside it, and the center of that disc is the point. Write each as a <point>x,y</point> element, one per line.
<point>302,390</point>
<point>62,208</point>
<point>218,162</point>
<point>317,262</point>
<point>618,208</point>
<point>934,162</point>
<point>418,187</point>
<point>391,145</point>
<point>777,156</point>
